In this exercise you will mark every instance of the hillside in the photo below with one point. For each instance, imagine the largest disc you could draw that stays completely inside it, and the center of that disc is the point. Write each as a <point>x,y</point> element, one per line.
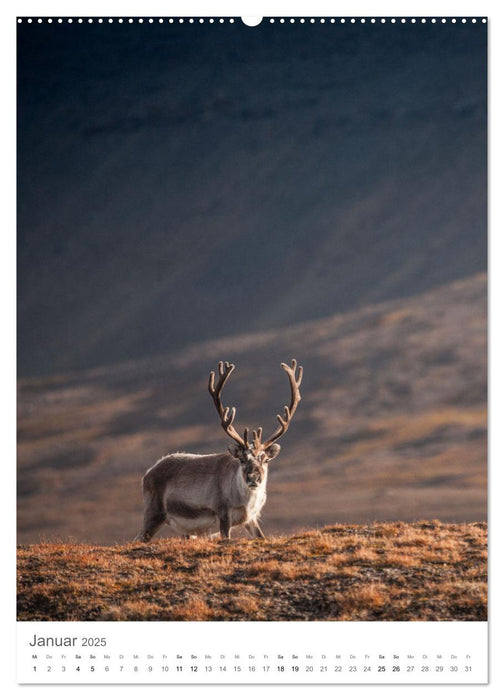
<point>391,426</point>
<point>185,183</point>
<point>385,571</point>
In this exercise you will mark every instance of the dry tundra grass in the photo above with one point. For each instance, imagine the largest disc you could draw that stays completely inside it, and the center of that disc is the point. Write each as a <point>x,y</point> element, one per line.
<point>387,571</point>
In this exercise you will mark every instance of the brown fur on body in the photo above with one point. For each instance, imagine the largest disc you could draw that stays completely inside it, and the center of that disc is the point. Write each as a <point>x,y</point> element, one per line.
<point>204,494</point>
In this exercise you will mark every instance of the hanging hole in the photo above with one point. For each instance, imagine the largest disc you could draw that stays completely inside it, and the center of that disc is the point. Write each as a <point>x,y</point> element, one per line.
<point>251,21</point>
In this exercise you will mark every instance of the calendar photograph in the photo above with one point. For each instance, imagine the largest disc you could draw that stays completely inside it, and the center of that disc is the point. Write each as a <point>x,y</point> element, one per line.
<point>252,320</point>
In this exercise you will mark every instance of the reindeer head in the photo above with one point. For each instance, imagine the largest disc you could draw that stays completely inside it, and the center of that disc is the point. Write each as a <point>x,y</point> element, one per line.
<point>254,458</point>
<point>254,455</point>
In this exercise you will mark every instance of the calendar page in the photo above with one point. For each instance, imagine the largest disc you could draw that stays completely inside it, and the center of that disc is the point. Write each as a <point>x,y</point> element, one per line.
<point>251,348</point>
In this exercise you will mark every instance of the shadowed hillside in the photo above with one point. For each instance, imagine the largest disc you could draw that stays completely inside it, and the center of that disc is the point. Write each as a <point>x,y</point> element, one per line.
<point>391,426</point>
<point>180,183</point>
<point>386,571</point>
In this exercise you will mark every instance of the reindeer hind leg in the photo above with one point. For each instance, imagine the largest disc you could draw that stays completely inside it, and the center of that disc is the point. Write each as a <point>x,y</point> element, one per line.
<point>154,517</point>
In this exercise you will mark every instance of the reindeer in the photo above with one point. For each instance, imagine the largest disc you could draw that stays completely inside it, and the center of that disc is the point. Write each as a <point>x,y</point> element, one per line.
<point>208,494</point>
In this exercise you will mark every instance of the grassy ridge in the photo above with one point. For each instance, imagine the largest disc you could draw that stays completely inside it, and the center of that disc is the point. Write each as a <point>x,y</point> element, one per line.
<point>387,571</point>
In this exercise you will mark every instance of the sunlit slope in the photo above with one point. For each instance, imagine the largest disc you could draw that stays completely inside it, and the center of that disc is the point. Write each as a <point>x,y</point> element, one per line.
<point>392,422</point>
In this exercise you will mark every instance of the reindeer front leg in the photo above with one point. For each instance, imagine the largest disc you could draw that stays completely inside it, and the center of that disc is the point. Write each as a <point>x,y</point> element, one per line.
<point>225,523</point>
<point>253,529</point>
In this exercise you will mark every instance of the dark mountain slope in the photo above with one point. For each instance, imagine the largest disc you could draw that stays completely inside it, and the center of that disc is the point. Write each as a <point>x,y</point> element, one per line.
<point>179,183</point>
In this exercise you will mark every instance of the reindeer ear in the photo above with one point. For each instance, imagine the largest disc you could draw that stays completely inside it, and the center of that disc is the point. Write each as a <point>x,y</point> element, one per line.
<point>272,452</point>
<point>235,450</point>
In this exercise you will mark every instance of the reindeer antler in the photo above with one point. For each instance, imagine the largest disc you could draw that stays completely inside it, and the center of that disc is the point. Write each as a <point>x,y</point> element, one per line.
<point>295,383</point>
<point>227,416</point>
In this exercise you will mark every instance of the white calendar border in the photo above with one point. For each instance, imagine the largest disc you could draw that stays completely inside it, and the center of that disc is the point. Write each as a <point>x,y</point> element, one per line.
<point>252,8</point>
